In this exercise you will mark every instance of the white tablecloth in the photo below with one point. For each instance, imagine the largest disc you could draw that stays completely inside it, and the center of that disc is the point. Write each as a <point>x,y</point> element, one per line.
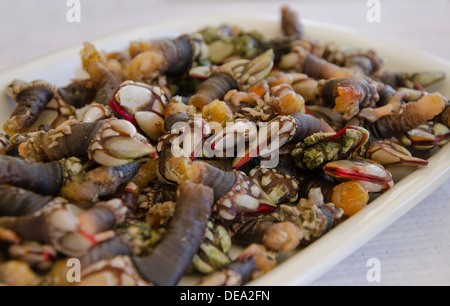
<point>413,251</point>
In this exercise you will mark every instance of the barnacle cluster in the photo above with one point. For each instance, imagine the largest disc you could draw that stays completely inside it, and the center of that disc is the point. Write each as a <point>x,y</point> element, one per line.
<point>175,152</point>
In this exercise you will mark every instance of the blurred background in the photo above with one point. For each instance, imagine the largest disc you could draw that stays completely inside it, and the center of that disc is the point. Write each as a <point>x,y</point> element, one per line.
<point>32,28</point>
<point>413,251</point>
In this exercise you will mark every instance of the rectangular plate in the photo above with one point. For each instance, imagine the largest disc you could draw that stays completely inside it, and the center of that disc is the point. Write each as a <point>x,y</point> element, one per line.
<point>301,267</point>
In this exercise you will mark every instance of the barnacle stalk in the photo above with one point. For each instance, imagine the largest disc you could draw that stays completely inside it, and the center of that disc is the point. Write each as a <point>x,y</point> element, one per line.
<point>32,99</point>
<point>16,201</point>
<point>445,116</point>
<point>116,246</point>
<point>395,101</point>
<point>291,24</point>
<point>302,60</point>
<point>79,92</point>
<point>105,74</point>
<point>99,182</point>
<point>235,194</point>
<point>168,261</point>
<point>335,120</point>
<point>44,178</point>
<point>130,190</point>
<point>237,74</point>
<point>69,229</point>
<point>167,57</point>
<point>408,116</point>
<point>215,87</point>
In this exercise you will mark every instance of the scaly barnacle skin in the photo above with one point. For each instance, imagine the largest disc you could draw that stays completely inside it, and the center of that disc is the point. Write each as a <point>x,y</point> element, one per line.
<point>408,116</point>
<point>167,56</point>
<point>16,201</point>
<point>32,99</point>
<point>111,143</point>
<point>168,261</point>
<point>290,23</point>
<point>45,178</point>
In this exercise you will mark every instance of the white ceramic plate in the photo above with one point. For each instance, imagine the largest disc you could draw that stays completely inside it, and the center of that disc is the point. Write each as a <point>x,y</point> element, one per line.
<point>304,266</point>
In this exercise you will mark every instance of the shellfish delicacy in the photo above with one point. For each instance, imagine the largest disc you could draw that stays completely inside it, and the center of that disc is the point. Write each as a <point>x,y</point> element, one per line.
<point>210,156</point>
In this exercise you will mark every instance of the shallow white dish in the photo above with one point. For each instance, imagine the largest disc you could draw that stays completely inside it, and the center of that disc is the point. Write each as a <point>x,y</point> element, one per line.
<point>308,264</point>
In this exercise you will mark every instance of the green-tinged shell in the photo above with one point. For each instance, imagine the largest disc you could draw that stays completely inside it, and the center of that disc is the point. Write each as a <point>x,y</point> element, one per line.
<point>247,44</point>
<point>244,44</point>
<point>211,34</point>
<point>215,259</point>
<point>323,147</point>
<point>140,237</point>
<point>213,251</point>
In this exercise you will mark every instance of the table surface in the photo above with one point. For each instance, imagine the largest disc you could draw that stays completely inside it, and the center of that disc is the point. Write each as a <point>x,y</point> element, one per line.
<point>415,249</point>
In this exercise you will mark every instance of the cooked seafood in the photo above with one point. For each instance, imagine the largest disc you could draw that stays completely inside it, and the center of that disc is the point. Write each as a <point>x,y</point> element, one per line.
<point>216,154</point>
